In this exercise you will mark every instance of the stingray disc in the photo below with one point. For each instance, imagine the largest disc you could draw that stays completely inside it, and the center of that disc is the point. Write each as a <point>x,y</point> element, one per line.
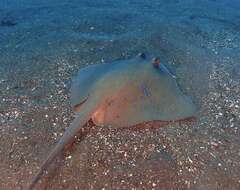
<point>126,93</point>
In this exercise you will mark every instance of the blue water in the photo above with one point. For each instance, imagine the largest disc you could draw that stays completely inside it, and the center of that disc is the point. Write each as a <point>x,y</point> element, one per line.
<point>44,43</point>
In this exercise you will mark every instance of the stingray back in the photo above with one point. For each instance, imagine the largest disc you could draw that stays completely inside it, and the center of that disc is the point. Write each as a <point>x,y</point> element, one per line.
<point>145,94</point>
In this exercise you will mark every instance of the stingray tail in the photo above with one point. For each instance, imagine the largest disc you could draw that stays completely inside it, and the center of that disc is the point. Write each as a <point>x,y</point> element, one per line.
<point>66,139</point>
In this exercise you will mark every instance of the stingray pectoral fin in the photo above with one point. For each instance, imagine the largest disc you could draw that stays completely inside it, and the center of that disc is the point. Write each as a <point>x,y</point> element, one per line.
<point>82,83</point>
<point>66,139</point>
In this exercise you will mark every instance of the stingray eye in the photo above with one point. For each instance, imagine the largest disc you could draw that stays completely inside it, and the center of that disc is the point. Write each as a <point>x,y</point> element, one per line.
<point>156,62</point>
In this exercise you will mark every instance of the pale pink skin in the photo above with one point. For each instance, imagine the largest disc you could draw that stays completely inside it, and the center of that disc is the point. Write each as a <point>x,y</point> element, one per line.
<point>123,94</point>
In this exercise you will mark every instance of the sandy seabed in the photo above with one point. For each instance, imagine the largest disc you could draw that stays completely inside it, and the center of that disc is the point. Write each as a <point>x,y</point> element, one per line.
<point>43,45</point>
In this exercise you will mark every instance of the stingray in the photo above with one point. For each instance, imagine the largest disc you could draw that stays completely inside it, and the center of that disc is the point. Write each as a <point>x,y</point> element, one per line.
<point>124,93</point>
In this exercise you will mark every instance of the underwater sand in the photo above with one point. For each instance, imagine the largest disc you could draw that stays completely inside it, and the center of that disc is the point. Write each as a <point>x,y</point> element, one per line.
<point>42,45</point>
